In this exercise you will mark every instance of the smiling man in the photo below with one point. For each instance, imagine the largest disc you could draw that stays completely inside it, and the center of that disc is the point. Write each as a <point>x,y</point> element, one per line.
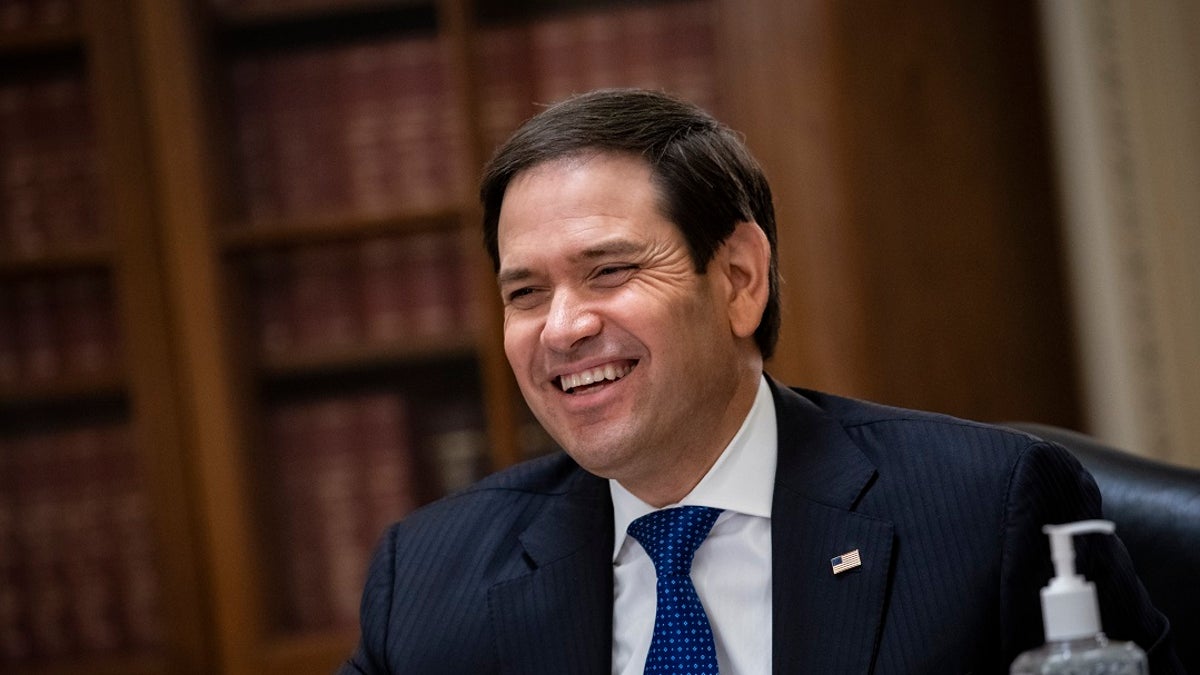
<point>704,518</point>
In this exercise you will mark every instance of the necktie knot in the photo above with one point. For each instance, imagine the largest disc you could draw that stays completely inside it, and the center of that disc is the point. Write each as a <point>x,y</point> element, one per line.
<point>671,536</point>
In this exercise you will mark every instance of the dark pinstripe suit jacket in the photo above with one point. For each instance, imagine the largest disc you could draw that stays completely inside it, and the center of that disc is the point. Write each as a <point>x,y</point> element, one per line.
<point>515,574</point>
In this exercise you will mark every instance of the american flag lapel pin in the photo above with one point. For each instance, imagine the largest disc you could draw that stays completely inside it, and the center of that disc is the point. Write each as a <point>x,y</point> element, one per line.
<point>845,561</point>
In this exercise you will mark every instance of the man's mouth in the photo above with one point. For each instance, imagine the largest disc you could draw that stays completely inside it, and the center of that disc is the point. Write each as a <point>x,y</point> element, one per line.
<point>591,378</point>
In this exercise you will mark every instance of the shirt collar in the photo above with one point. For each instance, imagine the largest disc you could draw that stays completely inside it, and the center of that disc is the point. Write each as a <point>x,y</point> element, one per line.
<point>742,480</point>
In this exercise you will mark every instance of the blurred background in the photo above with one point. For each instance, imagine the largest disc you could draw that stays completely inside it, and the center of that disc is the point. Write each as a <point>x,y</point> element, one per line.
<point>246,322</point>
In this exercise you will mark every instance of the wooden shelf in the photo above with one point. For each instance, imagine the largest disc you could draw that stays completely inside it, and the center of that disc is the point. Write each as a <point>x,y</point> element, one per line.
<point>80,257</point>
<point>99,665</point>
<point>295,10</point>
<point>101,386</point>
<point>41,40</point>
<point>308,22</point>
<point>253,236</point>
<point>460,346</point>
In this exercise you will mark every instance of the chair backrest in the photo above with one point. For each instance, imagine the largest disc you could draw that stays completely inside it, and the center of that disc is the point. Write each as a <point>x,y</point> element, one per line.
<point>1156,508</point>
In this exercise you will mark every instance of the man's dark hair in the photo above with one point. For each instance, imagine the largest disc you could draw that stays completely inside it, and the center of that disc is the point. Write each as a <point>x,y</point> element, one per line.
<point>707,179</point>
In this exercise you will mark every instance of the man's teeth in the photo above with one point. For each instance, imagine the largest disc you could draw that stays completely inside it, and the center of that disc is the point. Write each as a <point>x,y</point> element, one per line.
<point>593,375</point>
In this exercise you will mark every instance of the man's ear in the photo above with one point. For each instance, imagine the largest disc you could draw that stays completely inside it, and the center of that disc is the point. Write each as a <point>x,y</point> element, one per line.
<point>745,260</point>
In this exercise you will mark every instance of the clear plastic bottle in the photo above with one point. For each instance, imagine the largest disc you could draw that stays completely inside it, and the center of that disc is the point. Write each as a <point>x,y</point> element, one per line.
<point>1093,655</point>
<point>1075,645</point>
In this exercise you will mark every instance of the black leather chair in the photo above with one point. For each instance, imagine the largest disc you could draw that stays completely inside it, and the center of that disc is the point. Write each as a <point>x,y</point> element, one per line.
<point>1156,508</point>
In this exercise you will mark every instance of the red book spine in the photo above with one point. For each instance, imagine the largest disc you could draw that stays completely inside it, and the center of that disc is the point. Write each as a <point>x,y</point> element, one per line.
<point>88,329</point>
<point>40,497</point>
<point>87,544</point>
<point>15,15</point>
<point>335,494</point>
<point>82,191</point>
<point>387,466</point>
<point>467,306</point>
<point>328,177</point>
<point>557,65</point>
<point>689,65</point>
<point>65,153</point>
<point>21,165</point>
<point>387,310</point>
<point>14,633</point>
<point>38,337</point>
<point>430,281</point>
<point>51,13</point>
<point>10,353</point>
<point>326,296</point>
<point>271,286</point>
<point>504,61</point>
<point>458,442</point>
<point>365,129</point>
<point>412,65</point>
<point>292,445</point>
<point>134,566</point>
<point>296,81</point>
<point>453,178</point>
<point>257,149</point>
<point>641,28</point>
<point>599,45</point>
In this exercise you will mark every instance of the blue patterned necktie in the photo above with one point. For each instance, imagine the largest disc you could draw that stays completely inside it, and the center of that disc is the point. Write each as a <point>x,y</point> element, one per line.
<point>683,641</point>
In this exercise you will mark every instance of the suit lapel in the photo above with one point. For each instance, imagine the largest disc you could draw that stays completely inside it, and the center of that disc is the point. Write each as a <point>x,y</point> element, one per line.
<point>558,617</point>
<point>823,622</point>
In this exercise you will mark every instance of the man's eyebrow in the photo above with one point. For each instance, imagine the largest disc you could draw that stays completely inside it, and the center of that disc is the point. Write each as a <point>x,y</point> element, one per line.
<point>513,275</point>
<point>616,247</point>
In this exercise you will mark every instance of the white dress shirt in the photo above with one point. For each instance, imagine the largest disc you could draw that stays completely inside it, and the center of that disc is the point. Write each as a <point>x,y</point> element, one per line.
<point>732,568</point>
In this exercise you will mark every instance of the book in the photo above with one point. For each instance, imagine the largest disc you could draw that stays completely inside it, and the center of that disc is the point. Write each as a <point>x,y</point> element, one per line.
<point>78,570</point>
<point>128,521</point>
<point>270,279</point>
<point>86,323</point>
<point>21,15</point>
<point>363,128</point>
<point>345,470</point>
<point>387,301</point>
<point>458,439</point>
<point>48,169</point>
<point>37,331</point>
<point>10,354</point>
<point>324,298</point>
<point>14,634</point>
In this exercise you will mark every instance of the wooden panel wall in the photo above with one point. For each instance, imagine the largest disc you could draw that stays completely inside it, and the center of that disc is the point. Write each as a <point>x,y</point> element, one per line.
<point>920,246</point>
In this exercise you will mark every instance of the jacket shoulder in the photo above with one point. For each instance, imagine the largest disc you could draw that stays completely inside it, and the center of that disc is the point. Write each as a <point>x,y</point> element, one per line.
<point>877,428</point>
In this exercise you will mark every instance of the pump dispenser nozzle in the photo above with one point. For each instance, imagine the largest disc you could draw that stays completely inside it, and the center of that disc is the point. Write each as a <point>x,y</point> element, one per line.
<point>1069,608</point>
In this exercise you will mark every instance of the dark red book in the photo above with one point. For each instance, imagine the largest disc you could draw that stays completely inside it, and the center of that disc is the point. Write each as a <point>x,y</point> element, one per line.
<point>10,353</point>
<point>504,60</point>
<point>135,561</point>
<point>270,278</point>
<point>255,139</point>
<point>15,643</point>
<point>86,321</point>
<point>387,302</point>
<point>37,330</point>
<point>325,300</point>
<point>556,58</point>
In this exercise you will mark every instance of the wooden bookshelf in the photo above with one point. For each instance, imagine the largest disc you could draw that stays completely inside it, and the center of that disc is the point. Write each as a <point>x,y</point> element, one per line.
<point>77,251</point>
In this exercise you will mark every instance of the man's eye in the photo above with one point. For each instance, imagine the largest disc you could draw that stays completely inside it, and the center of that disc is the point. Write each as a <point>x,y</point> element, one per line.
<point>521,297</point>
<point>614,273</point>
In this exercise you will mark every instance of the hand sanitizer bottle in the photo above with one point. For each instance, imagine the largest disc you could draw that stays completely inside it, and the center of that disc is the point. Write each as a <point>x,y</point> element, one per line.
<point>1075,644</point>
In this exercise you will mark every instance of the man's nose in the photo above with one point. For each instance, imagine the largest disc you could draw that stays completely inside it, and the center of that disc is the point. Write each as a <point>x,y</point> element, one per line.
<point>569,322</point>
